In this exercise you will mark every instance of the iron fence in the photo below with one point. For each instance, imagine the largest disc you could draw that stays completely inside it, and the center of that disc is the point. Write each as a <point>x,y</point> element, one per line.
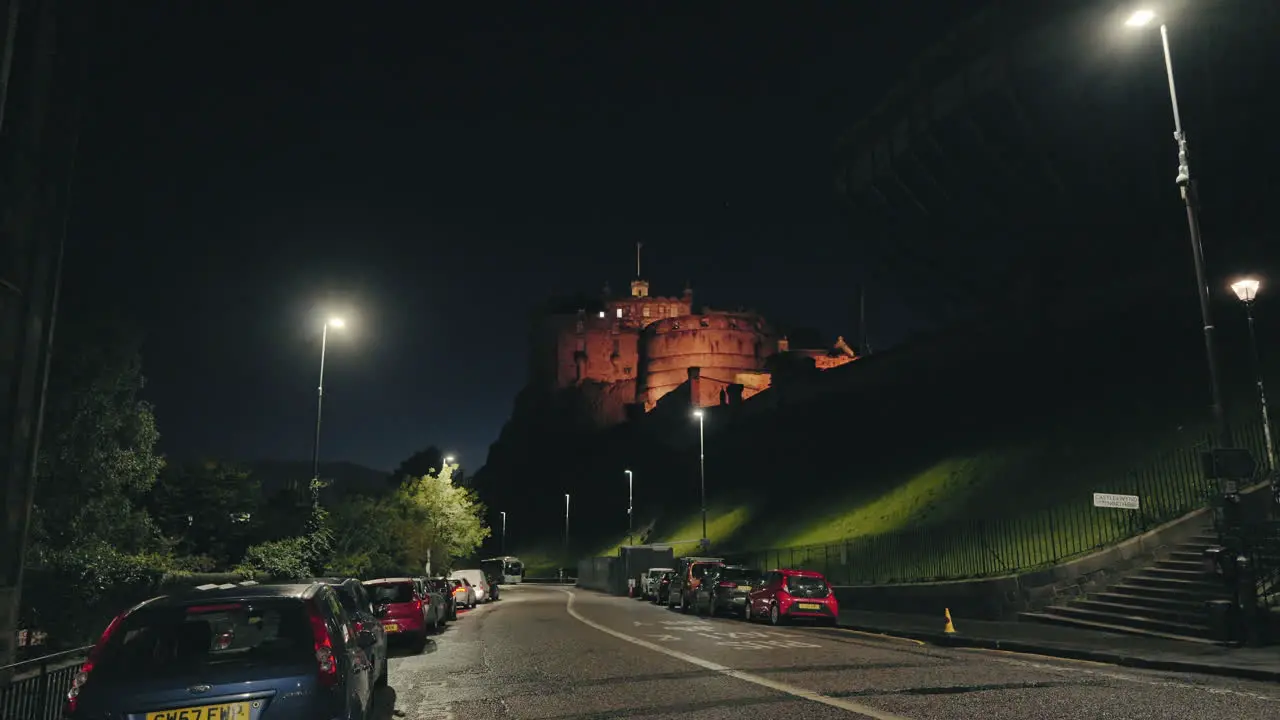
<point>1169,487</point>
<point>37,688</point>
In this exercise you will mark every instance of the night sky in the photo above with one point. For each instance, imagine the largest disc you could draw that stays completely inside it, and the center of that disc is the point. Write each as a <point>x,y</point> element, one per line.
<point>433,170</point>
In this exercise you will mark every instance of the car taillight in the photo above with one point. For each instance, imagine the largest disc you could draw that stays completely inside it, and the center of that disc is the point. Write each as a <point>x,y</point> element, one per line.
<point>327,663</point>
<point>417,604</point>
<point>359,626</point>
<point>73,694</point>
<point>727,584</point>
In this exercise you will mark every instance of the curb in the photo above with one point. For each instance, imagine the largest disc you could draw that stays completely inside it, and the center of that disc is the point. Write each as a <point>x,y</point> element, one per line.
<point>1076,653</point>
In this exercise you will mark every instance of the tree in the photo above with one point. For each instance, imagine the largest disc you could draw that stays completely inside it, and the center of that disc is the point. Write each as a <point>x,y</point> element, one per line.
<point>365,537</point>
<point>423,462</point>
<point>97,459</point>
<point>439,520</point>
<point>209,508</point>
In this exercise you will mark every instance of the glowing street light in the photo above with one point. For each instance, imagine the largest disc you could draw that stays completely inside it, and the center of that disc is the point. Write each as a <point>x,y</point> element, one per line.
<point>630,496</point>
<point>1247,290</point>
<point>702,471</point>
<point>566,531</point>
<point>1141,18</point>
<point>448,460</point>
<point>333,322</point>
<point>1187,188</point>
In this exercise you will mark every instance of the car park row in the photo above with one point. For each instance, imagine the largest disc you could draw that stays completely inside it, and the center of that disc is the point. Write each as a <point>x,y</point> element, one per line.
<point>266,651</point>
<point>709,586</point>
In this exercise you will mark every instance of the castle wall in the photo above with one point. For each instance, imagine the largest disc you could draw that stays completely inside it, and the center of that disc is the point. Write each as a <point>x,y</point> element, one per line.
<point>723,345</point>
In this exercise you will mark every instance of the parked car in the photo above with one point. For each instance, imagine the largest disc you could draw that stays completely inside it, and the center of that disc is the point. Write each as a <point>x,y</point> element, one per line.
<point>445,588</point>
<point>355,601</point>
<point>403,610</point>
<point>725,589</point>
<point>463,594</point>
<point>649,582</point>
<point>267,652</point>
<point>438,599</point>
<point>478,582</point>
<point>793,594</point>
<point>688,576</point>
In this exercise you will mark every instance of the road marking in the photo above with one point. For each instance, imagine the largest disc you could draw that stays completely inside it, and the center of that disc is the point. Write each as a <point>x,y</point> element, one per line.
<point>781,687</point>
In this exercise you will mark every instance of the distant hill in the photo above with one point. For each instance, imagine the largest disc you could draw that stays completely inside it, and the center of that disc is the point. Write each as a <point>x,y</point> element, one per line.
<point>345,477</point>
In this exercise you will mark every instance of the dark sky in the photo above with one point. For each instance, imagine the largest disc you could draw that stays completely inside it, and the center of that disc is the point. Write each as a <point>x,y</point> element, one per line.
<point>431,170</point>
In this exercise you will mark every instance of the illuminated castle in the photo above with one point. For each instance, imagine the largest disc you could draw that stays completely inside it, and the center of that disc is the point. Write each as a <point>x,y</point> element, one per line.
<point>627,352</point>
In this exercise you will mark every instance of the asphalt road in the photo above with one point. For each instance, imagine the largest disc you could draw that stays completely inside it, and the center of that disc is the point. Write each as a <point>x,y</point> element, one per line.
<point>545,652</point>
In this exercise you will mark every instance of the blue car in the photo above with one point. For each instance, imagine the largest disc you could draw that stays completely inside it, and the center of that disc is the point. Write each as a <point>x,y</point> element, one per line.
<point>230,652</point>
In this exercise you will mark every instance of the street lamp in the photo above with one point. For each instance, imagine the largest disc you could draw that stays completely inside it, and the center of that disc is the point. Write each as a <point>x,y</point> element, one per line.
<point>1187,188</point>
<point>702,471</point>
<point>448,460</point>
<point>337,323</point>
<point>630,506</point>
<point>503,542</point>
<point>566,530</point>
<point>1247,290</point>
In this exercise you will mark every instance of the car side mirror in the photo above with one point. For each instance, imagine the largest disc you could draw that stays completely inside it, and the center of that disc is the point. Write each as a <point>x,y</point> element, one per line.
<point>380,610</point>
<point>366,639</point>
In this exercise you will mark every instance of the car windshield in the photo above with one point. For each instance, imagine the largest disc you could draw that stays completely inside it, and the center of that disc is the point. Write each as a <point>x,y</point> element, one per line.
<point>168,642</point>
<point>742,576</point>
<point>386,593</point>
<point>809,586</point>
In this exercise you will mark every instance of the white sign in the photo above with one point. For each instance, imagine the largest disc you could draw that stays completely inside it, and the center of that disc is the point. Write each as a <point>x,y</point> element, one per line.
<point>1107,500</point>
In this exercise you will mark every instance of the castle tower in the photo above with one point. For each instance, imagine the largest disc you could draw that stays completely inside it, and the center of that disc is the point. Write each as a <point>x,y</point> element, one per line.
<point>639,287</point>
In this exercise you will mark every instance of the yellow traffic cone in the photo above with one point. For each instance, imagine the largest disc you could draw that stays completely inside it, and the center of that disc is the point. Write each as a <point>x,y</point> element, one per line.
<point>949,629</point>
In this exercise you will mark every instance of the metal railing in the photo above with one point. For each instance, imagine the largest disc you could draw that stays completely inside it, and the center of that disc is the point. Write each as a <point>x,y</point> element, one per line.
<point>37,688</point>
<point>1169,487</point>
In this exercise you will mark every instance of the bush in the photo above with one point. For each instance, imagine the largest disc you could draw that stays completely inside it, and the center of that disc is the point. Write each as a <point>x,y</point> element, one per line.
<point>288,558</point>
<point>72,594</point>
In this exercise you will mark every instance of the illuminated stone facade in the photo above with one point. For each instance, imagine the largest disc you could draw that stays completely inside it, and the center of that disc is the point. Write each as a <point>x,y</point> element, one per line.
<point>629,351</point>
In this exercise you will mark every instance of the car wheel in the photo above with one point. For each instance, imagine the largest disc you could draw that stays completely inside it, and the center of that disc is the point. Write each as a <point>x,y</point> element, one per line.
<point>684,603</point>
<point>775,618</point>
<point>382,679</point>
<point>420,643</point>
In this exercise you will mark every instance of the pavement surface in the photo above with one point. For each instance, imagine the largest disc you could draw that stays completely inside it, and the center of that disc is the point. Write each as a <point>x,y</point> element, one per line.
<point>548,652</point>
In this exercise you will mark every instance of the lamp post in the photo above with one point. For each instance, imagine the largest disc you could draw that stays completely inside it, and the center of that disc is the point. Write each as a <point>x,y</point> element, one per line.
<point>1187,188</point>
<point>334,322</point>
<point>502,544</point>
<point>1247,290</point>
<point>566,530</point>
<point>630,506</point>
<point>702,471</point>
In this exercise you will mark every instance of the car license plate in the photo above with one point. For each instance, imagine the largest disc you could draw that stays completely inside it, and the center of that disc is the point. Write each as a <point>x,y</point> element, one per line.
<point>391,627</point>
<point>744,588</point>
<point>228,711</point>
<point>809,606</point>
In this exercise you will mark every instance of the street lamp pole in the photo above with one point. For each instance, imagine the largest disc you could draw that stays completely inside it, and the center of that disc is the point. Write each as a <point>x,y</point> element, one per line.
<point>1247,291</point>
<point>630,507</point>
<point>702,470</point>
<point>566,529</point>
<point>324,342</point>
<point>503,543</point>
<point>1187,188</point>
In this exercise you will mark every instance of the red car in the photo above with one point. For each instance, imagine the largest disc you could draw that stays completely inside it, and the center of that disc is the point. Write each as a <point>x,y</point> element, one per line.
<point>404,609</point>
<point>793,594</point>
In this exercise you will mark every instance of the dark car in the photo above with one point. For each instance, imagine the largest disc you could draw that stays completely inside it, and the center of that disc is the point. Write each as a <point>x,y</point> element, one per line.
<point>445,588</point>
<point>355,600</point>
<point>251,652</point>
<point>726,588</point>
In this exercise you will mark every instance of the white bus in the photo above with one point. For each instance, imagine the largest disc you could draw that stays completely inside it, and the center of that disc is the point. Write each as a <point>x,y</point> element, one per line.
<point>506,570</point>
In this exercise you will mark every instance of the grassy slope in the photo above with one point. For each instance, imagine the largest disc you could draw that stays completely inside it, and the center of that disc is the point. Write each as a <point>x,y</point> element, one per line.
<point>1012,428</point>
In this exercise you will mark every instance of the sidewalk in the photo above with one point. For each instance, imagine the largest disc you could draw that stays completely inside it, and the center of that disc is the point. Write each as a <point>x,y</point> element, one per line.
<point>1079,644</point>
